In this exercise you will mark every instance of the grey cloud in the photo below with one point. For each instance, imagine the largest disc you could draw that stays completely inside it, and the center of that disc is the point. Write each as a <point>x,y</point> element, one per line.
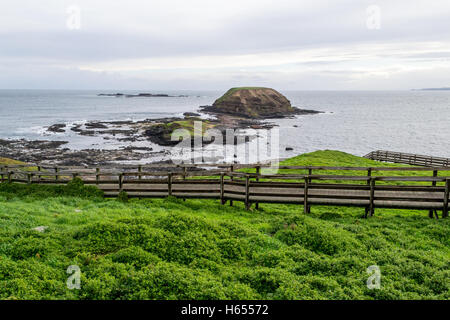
<point>277,30</point>
<point>41,52</point>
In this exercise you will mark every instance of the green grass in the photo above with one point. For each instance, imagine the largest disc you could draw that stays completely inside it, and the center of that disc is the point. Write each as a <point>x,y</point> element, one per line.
<point>7,161</point>
<point>11,162</point>
<point>189,125</point>
<point>332,158</point>
<point>199,249</point>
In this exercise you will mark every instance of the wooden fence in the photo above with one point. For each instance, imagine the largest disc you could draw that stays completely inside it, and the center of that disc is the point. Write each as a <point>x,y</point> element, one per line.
<point>408,158</point>
<point>374,187</point>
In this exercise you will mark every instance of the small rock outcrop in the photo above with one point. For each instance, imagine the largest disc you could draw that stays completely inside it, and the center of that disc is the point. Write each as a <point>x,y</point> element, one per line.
<point>40,228</point>
<point>140,95</point>
<point>57,128</point>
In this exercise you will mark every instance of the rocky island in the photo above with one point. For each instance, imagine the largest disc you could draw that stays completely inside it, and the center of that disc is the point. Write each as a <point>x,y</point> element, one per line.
<point>255,103</point>
<point>140,95</point>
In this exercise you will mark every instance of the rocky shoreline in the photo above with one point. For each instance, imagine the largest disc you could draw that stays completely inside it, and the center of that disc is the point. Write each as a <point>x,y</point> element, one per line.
<point>156,131</point>
<point>53,152</point>
<point>159,131</point>
<point>138,137</point>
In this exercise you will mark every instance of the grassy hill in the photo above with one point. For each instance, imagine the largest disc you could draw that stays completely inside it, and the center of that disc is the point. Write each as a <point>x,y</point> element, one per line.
<point>231,91</point>
<point>7,161</point>
<point>199,249</point>
<point>11,162</point>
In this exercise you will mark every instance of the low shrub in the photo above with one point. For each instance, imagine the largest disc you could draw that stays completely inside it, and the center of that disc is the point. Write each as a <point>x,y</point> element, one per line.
<point>122,196</point>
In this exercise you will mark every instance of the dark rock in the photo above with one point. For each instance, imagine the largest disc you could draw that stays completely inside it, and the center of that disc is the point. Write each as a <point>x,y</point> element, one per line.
<point>142,95</point>
<point>76,128</point>
<point>132,148</point>
<point>57,127</point>
<point>87,132</point>
<point>50,152</point>
<point>128,139</point>
<point>95,125</point>
<point>111,95</point>
<point>191,114</point>
<point>147,95</point>
<point>125,122</point>
<point>118,131</point>
<point>161,134</point>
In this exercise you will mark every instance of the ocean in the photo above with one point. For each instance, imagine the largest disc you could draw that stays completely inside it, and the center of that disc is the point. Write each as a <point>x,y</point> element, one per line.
<point>353,121</point>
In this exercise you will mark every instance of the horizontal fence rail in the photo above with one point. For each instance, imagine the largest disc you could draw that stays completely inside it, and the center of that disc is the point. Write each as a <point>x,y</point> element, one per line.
<point>408,158</point>
<point>374,187</point>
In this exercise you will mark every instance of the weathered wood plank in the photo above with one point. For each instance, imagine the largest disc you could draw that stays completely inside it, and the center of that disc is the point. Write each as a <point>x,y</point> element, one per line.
<point>309,189</point>
<point>408,158</point>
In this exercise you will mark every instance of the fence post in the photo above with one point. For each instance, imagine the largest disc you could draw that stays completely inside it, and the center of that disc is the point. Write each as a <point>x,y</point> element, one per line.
<point>247,192</point>
<point>258,171</point>
<point>2,176</point>
<point>120,182</point>
<point>435,173</point>
<point>39,174</point>
<point>29,178</point>
<point>369,175</point>
<point>372,197</point>
<point>446,195</point>
<point>56,173</point>
<point>140,171</point>
<point>231,170</point>
<point>97,176</point>
<point>222,191</point>
<point>169,183</point>
<point>184,176</point>
<point>309,185</point>
<point>305,195</point>
<point>10,173</point>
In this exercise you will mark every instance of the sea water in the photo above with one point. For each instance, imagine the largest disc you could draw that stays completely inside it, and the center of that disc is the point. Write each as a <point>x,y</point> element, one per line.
<point>353,121</point>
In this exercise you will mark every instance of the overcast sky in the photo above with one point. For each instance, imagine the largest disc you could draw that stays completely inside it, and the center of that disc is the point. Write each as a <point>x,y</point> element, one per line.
<point>217,44</point>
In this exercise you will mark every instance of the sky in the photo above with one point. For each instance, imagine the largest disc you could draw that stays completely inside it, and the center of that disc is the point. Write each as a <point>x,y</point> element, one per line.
<point>217,44</point>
